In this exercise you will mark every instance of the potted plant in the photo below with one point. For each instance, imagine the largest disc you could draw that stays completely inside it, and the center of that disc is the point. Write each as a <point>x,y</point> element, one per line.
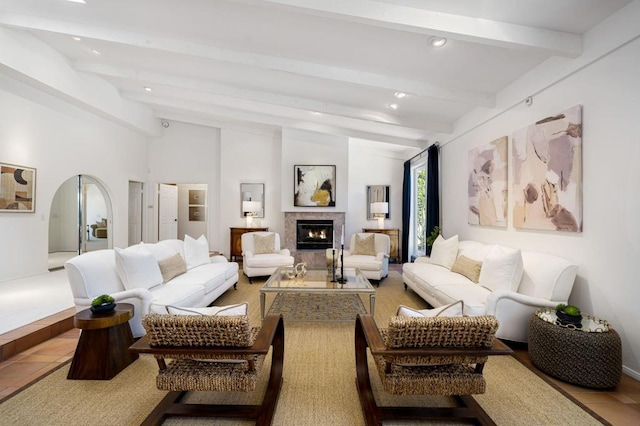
<point>569,314</point>
<point>103,304</point>
<point>431,238</point>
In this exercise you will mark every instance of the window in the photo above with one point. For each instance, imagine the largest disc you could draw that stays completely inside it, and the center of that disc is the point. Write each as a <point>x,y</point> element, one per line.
<point>417,244</point>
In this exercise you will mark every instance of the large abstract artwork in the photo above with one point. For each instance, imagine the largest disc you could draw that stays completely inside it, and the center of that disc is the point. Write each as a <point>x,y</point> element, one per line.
<point>547,168</point>
<point>17,188</point>
<point>314,186</point>
<point>487,184</point>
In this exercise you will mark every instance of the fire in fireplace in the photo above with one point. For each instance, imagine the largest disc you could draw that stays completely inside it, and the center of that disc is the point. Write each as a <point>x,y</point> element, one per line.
<point>314,234</point>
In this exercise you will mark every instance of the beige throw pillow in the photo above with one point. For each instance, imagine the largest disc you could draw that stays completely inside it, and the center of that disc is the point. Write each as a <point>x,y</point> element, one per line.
<point>171,267</point>
<point>264,244</point>
<point>468,267</point>
<point>365,245</point>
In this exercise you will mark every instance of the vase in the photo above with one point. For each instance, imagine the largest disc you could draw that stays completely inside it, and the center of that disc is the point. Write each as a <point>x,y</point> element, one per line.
<point>566,319</point>
<point>105,308</point>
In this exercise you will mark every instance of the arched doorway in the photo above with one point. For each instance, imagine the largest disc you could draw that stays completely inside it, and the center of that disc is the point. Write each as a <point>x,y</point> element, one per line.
<point>79,220</point>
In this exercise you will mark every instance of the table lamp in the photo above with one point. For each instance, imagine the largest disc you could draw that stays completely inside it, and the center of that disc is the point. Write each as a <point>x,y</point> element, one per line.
<point>250,209</point>
<point>379,211</point>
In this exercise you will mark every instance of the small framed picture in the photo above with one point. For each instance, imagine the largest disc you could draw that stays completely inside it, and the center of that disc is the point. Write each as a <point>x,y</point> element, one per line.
<point>17,188</point>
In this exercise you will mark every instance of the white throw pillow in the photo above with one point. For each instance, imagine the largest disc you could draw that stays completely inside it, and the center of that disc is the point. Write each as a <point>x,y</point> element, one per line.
<point>456,309</point>
<point>229,310</point>
<point>137,267</point>
<point>444,252</point>
<point>502,269</point>
<point>196,252</point>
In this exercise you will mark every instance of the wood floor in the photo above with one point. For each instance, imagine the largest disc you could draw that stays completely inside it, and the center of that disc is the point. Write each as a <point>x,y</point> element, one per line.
<point>33,350</point>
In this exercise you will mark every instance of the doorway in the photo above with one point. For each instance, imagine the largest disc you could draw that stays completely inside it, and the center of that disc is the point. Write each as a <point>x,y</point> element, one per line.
<point>182,210</point>
<point>79,220</point>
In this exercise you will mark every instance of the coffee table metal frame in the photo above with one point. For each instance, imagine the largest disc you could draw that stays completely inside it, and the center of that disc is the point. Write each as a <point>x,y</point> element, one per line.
<point>283,280</point>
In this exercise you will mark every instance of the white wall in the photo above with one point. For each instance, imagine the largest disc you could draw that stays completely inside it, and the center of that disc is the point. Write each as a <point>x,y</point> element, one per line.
<point>60,141</point>
<point>607,249</point>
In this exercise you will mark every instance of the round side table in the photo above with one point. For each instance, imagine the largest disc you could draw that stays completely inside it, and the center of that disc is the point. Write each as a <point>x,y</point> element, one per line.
<point>103,348</point>
<point>589,356</point>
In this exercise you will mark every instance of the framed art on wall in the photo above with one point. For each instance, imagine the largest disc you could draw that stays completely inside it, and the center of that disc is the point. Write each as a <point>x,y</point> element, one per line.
<point>487,184</point>
<point>314,186</point>
<point>547,173</point>
<point>17,188</point>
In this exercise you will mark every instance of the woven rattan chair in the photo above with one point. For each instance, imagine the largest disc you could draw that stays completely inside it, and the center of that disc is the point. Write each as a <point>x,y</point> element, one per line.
<point>426,356</point>
<point>213,353</point>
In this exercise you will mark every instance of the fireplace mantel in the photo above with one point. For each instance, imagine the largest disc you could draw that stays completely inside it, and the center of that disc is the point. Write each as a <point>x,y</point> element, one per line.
<point>313,258</point>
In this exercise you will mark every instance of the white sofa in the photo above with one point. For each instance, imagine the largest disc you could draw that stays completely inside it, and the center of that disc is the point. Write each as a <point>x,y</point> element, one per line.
<point>263,259</point>
<point>138,282</point>
<point>537,280</point>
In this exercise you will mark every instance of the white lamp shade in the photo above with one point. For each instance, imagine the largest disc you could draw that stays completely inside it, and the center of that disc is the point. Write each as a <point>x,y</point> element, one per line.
<point>251,207</point>
<point>380,208</point>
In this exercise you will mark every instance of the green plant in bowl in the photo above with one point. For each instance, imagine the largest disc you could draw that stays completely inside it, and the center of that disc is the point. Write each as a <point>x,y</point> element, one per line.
<point>569,314</point>
<point>103,299</point>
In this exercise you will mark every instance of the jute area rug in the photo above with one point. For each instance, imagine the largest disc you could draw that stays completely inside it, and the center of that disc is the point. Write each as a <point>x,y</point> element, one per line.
<point>317,307</point>
<point>319,383</point>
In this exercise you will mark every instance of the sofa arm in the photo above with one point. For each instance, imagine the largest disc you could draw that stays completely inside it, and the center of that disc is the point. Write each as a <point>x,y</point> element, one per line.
<point>497,297</point>
<point>248,254</point>
<point>285,252</point>
<point>422,259</point>
<point>218,259</point>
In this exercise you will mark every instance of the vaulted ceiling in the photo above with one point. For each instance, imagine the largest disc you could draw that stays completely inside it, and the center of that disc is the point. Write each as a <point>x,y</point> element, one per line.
<point>329,66</point>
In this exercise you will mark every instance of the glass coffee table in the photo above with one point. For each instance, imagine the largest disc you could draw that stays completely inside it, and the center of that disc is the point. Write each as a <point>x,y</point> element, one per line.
<point>284,280</point>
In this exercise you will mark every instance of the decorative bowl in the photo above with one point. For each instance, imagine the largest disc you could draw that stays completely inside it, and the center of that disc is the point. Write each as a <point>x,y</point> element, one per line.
<point>103,309</point>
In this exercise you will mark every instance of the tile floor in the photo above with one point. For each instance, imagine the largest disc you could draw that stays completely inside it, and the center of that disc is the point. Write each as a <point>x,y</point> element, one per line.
<point>619,406</point>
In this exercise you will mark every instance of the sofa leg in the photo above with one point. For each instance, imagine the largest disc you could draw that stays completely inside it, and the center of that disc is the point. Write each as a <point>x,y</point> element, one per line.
<point>405,287</point>
<point>250,282</point>
<point>235,286</point>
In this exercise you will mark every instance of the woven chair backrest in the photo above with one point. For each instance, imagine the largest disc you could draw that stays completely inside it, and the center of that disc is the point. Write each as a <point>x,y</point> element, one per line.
<point>198,330</point>
<point>428,332</point>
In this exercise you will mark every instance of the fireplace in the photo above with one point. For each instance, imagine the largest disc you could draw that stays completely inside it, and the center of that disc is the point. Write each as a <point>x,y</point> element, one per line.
<point>314,234</point>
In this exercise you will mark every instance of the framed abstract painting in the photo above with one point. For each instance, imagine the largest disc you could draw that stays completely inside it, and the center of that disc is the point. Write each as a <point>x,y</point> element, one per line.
<point>487,185</point>
<point>17,188</point>
<point>547,173</point>
<point>314,186</point>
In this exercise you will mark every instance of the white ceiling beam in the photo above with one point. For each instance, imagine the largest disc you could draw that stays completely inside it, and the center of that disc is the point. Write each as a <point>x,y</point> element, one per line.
<point>458,27</point>
<point>28,59</point>
<point>393,134</point>
<point>303,68</point>
<point>145,78</point>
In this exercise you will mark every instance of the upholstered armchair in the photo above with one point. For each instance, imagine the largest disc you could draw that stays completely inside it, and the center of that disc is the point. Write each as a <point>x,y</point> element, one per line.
<point>426,356</point>
<point>213,353</point>
<point>261,254</point>
<point>369,252</point>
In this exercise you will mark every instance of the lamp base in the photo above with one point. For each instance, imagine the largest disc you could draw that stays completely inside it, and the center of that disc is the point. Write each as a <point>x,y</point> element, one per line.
<point>381,223</point>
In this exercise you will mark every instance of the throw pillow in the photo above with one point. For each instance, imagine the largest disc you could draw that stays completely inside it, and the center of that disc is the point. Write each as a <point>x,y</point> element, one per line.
<point>264,244</point>
<point>365,245</point>
<point>137,268</point>
<point>468,267</point>
<point>502,269</point>
<point>229,310</point>
<point>196,252</point>
<point>456,309</point>
<point>171,267</point>
<point>444,252</point>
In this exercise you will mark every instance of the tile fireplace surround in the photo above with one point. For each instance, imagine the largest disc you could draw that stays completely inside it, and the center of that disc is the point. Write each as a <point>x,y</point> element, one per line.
<point>314,258</point>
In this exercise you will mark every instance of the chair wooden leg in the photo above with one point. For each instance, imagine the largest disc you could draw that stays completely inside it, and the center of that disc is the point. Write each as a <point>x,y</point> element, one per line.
<point>365,392</point>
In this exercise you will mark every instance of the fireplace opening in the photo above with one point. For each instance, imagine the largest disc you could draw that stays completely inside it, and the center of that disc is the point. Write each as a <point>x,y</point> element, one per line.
<point>314,234</point>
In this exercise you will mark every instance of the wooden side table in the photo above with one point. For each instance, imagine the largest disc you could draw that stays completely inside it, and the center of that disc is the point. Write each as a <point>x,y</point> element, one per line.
<point>103,348</point>
<point>588,356</point>
<point>235,250</point>
<point>394,236</point>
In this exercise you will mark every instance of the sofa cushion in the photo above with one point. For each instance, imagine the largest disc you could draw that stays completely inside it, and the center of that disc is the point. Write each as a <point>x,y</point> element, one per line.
<point>468,267</point>
<point>176,294</point>
<point>209,276</point>
<point>172,245</point>
<point>455,309</point>
<point>444,252</point>
<point>171,267</point>
<point>267,260</point>
<point>264,244</point>
<point>364,263</point>
<point>364,245</point>
<point>473,296</point>
<point>431,276</point>
<point>137,267</point>
<point>229,310</point>
<point>196,252</point>
<point>501,269</point>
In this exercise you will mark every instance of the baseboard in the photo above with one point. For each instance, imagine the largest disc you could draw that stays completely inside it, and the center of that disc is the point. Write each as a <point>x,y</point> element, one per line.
<point>631,373</point>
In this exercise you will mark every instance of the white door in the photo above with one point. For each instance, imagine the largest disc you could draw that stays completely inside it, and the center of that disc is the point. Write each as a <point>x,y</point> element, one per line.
<point>168,212</point>
<point>135,212</point>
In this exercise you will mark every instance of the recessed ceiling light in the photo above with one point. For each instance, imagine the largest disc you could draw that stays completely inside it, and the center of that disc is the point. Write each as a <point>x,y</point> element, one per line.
<point>78,1</point>
<point>76,38</point>
<point>148,89</point>
<point>95,51</point>
<point>315,112</point>
<point>437,41</point>
<point>393,106</point>
<point>400,95</point>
